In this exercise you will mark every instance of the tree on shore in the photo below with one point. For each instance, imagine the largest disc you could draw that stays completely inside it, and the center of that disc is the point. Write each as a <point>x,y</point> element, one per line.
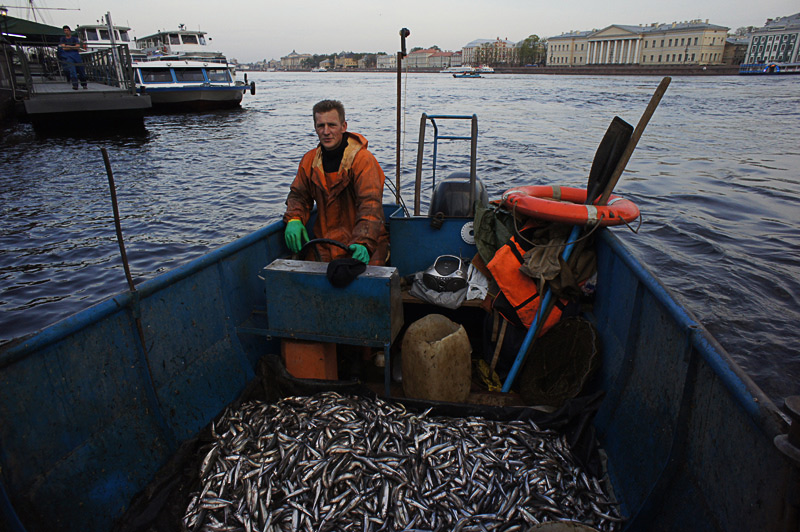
<point>533,51</point>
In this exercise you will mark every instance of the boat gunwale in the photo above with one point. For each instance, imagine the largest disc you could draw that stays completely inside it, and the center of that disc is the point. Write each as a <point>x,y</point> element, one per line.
<point>25,346</point>
<point>758,406</point>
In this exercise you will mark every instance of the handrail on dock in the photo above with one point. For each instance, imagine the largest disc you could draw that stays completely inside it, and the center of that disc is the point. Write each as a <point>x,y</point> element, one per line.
<point>38,63</point>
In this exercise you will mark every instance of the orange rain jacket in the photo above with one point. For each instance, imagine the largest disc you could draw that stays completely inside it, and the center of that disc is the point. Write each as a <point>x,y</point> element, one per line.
<point>349,202</point>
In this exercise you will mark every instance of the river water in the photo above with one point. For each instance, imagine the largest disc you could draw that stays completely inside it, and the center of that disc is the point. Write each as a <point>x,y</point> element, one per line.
<point>715,175</point>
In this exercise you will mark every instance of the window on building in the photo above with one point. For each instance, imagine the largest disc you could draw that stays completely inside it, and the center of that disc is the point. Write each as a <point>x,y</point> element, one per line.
<point>645,44</point>
<point>692,57</point>
<point>695,41</point>
<point>662,43</point>
<point>681,42</point>
<point>659,58</point>
<point>670,42</point>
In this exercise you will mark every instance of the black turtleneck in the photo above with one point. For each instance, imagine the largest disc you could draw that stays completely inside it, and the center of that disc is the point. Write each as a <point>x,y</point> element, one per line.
<point>331,159</point>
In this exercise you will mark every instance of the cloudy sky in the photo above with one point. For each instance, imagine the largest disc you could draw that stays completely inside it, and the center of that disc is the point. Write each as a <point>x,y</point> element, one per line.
<point>254,30</point>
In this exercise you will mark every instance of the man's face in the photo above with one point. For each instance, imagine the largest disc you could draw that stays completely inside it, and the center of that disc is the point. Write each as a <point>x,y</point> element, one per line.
<point>330,128</point>
<point>67,32</point>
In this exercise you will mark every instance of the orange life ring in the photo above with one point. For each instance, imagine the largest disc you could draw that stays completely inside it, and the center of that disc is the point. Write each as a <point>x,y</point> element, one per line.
<point>566,204</point>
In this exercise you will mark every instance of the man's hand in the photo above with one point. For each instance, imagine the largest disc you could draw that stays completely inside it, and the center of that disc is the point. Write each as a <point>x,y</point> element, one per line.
<point>295,235</point>
<point>360,253</point>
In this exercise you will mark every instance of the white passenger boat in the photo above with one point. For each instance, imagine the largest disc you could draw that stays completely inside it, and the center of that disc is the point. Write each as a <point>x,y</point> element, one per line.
<point>98,37</point>
<point>183,43</point>
<point>458,70</point>
<point>183,84</point>
<point>483,69</point>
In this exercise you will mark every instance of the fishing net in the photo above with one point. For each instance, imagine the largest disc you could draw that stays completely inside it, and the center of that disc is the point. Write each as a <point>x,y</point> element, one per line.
<point>560,364</point>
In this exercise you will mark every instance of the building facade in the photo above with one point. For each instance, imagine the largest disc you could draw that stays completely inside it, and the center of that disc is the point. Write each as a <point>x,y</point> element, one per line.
<point>294,61</point>
<point>419,58</point>
<point>488,51</point>
<point>693,42</point>
<point>777,42</point>
<point>386,62</point>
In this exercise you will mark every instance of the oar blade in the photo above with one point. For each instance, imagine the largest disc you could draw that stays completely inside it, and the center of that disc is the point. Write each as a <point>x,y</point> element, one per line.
<point>607,156</point>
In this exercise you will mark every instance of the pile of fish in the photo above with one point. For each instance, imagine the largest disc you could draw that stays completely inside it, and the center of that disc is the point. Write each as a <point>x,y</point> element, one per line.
<point>333,462</point>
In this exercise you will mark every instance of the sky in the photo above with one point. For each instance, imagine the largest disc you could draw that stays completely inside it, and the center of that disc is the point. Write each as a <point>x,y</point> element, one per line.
<point>255,30</point>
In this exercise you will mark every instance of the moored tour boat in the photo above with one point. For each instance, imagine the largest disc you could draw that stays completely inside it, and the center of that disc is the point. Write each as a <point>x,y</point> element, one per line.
<point>189,84</point>
<point>768,68</point>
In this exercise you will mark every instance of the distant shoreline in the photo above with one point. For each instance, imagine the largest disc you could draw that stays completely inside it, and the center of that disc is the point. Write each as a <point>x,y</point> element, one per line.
<point>592,70</point>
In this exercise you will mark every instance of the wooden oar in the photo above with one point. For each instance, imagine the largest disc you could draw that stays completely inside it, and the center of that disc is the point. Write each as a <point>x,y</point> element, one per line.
<point>546,305</point>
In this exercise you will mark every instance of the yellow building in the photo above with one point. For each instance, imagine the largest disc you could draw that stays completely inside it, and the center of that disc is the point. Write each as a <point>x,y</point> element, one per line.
<point>693,43</point>
<point>345,61</point>
<point>294,61</point>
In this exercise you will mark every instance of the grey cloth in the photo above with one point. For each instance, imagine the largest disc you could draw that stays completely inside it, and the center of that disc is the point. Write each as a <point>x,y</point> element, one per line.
<point>443,299</point>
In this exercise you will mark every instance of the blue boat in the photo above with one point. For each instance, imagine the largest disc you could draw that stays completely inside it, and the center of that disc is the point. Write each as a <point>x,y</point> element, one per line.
<point>467,75</point>
<point>772,67</point>
<point>92,407</point>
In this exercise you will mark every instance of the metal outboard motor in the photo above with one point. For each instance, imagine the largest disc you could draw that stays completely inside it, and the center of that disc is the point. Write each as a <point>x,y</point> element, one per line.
<point>451,196</point>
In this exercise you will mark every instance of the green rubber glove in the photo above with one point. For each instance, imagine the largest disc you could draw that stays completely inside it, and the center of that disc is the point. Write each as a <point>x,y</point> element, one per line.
<point>360,253</point>
<point>295,235</point>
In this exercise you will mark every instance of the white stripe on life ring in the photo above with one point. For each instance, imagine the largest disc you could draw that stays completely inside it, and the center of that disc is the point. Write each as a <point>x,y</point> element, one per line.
<point>557,192</point>
<point>591,214</point>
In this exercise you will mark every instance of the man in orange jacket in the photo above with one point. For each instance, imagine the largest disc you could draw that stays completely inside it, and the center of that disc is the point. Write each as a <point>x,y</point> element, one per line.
<point>346,182</point>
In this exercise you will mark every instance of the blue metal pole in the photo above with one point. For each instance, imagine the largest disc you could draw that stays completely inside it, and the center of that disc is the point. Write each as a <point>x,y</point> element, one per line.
<point>545,302</point>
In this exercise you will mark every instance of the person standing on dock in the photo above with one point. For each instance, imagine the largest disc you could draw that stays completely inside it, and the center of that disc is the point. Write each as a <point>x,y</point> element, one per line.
<point>346,182</point>
<point>69,48</point>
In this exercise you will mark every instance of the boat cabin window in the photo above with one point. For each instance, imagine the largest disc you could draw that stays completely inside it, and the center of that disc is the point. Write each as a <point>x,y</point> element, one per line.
<point>218,74</point>
<point>189,74</point>
<point>155,75</point>
<point>190,39</point>
<point>123,36</point>
<point>90,34</point>
<point>104,35</point>
<point>174,38</point>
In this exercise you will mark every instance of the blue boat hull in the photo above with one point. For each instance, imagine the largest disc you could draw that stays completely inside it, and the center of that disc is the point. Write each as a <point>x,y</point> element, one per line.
<point>87,418</point>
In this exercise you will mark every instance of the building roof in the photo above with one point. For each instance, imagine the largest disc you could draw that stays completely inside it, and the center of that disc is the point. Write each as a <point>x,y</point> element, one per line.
<point>781,23</point>
<point>572,35</point>
<point>645,29</point>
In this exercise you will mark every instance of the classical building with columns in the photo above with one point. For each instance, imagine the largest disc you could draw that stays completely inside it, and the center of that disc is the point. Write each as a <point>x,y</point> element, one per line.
<point>693,43</point>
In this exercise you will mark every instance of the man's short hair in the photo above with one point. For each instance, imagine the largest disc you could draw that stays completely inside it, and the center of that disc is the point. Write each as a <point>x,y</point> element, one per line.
<point>328,105</point>
<point>66,28</point>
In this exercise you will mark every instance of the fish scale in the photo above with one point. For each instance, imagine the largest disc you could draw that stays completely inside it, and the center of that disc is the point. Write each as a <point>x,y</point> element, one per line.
<point>335,462</point>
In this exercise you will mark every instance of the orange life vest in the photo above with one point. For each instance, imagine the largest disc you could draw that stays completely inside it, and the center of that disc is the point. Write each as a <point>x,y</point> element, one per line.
<point>520,290</point>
